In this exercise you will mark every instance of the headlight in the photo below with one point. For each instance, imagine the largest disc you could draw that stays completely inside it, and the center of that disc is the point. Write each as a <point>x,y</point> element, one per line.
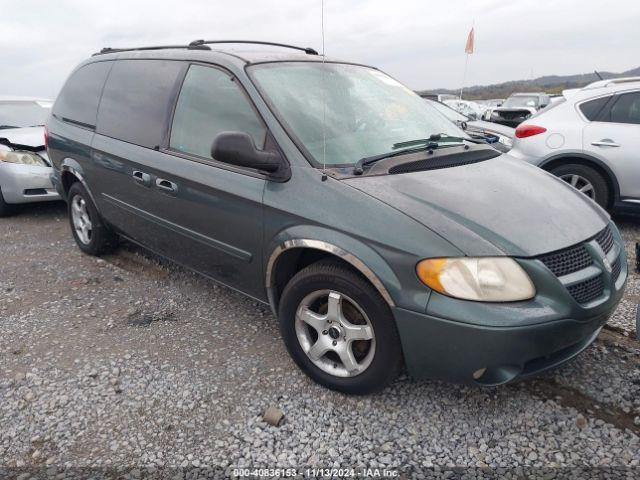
<point>497,279</point>
<point>505,141</point>
<point>25,158</point>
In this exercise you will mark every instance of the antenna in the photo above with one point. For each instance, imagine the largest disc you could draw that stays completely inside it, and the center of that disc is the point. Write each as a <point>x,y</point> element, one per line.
<point>324,102</point>
<point>598,74</point>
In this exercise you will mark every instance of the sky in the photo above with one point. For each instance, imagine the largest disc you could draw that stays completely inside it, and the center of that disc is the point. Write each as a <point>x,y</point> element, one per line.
<point>419,42</point>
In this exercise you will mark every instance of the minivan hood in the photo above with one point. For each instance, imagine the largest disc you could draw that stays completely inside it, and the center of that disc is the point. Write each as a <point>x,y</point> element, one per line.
<point>496,207</point>
<point>17,138</point>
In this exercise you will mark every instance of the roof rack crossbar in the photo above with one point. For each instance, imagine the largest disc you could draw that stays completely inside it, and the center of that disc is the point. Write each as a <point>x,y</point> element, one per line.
<point>307,50</point>
<point>157,47</point>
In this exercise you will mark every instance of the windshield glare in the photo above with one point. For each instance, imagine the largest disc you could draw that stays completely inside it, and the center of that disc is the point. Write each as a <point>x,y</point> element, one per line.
<point>521,101</point>
<point>23,113</point>
<point>366,111</point>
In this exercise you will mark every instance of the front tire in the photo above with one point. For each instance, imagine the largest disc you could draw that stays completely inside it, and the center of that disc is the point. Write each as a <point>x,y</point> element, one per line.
<point>586,180</point>
<point>5,208</point>
<point>89,231</point>
<point>339,330</point>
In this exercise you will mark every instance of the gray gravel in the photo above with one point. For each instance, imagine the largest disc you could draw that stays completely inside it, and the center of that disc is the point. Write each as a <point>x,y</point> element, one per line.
<point>129,362</point>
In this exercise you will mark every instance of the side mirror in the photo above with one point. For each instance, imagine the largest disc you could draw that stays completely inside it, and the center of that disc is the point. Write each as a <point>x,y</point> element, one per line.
<point>237,148</point>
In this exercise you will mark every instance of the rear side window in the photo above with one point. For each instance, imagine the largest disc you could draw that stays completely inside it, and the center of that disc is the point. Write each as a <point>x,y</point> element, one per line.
<point>78,100</point>
<point>626,109</point>
<point>137,100</point>
<point>592,108</point>
<point>211,102</point>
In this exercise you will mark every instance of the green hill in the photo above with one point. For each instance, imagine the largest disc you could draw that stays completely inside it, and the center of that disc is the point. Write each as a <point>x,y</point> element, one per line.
<point>549,83</point>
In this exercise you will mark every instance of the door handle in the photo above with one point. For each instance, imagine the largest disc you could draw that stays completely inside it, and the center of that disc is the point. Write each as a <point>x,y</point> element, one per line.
<point>141,177</point>
<point>605,143</point>
<point>166,185</point>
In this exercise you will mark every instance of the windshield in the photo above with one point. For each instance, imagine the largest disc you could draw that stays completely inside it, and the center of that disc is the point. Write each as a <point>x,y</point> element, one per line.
<point>521,101</point>
<point>367,112</point>
<point>23,113</point>
<point>448,112</point>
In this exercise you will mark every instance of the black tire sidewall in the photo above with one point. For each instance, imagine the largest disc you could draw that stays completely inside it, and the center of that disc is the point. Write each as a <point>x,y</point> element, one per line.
<point>600,185</point>
<point>387,359</point>
<point>5,208</point>
<point>101,237</point>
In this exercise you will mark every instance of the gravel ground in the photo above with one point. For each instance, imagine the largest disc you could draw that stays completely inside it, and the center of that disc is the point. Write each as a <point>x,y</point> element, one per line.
<point>128,364</point>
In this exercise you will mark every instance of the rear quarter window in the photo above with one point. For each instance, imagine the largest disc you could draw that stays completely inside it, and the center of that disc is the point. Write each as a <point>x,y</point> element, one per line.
<point>137,100</point>
<point>79,98</point>
<point>592,108</point>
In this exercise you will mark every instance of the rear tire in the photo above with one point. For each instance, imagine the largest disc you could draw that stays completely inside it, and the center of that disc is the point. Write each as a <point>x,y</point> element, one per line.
<point>90,232</point>
<point>360,352</point>
<point>5,208</point>
<point>587,180</point>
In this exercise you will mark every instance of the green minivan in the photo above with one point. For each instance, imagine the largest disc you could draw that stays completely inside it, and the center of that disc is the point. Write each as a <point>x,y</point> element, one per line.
<point>380,234</point>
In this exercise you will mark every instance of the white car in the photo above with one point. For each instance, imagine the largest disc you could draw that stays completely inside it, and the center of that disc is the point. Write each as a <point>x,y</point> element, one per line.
<point>590,140</point>
<point>24,166</point>
<point>465,107</point>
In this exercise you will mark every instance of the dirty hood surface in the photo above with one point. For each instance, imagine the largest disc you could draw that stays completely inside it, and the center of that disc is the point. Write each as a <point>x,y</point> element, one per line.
<point>500,206</point>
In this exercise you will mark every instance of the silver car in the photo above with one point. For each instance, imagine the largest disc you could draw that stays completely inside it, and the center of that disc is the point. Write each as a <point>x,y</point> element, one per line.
<point>24,166</point>
<point>590,140</point>
<point>498,136</point>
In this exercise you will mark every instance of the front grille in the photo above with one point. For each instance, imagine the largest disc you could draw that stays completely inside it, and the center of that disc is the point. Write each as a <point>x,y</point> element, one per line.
<point>605,239</point>
<point>567,261</point>
<point>616,268</point>
<point>588,290</point>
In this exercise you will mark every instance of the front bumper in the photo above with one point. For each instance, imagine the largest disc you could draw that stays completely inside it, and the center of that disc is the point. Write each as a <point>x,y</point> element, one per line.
<point>443,349</point>
<point>26,183</point>
<point>492,343</point>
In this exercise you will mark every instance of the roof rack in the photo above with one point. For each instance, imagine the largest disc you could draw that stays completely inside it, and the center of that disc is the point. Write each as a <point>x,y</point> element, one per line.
<point>612,81</point>
<point>203,45</point>
<point>157,47</point>
<point>199,43</point>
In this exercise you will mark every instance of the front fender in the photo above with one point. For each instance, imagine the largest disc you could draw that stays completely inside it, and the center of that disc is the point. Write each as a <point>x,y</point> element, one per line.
<point>363,257</point>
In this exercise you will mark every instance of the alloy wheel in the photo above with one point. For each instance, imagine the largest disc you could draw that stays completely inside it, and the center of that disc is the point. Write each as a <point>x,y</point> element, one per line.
<point>81,220</point>
<point>580,183</point>
<point>335,333</point>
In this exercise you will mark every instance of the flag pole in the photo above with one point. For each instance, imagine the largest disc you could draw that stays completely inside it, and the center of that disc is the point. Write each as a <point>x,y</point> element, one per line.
<point>468,49</point>
<point>464,76</point>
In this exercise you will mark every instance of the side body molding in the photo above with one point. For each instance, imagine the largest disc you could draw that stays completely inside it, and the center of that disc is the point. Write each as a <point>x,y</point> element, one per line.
<point>326,247</point>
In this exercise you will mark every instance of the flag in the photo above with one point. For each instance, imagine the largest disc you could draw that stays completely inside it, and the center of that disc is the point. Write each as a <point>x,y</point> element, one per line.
<point>468,49</point>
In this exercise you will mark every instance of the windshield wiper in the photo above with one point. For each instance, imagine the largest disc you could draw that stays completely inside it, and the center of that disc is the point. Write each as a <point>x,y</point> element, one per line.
<point>8,126</point>
<point>358,169</point>
<point>412,146</point>
<point>435,138</point>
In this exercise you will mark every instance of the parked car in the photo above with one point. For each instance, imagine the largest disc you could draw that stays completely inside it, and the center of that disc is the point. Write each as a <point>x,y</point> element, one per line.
<point>519,107</point>
<point>591,141</point>
<point>488,106</point>
<point>466,107</point>
<point>24,166</point>
<point>375,231</point>
<point>498,136</point>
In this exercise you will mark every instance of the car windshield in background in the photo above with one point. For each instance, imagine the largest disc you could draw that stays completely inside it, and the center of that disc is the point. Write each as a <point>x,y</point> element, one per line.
<point>16,114</point>
<point>448,112</point>
<point>523,101</point>
<point>366,112</point>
